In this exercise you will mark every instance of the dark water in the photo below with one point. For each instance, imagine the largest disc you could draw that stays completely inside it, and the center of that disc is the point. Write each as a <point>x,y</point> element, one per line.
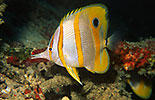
<point>134,18</point>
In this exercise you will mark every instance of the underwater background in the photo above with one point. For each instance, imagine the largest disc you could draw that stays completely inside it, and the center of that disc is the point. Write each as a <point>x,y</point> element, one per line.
<point>27,25</point>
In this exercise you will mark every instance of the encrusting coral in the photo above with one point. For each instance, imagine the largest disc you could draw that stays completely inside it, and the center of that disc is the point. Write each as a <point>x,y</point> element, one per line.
<point>138,57</point>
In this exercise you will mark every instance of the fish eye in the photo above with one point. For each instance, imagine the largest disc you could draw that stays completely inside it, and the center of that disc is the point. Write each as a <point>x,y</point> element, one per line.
<point>95,22</point>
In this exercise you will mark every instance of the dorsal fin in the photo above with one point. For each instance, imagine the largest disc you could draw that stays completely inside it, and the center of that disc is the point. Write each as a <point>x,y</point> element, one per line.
<point>73,12</point>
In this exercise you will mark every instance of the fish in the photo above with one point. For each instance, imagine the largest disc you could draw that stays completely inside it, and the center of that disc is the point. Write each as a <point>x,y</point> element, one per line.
<point>80,41</point>
<point>141,86</point>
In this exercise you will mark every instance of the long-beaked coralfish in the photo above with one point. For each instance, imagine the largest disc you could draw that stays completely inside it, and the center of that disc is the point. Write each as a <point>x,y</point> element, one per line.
<point>80,41</point>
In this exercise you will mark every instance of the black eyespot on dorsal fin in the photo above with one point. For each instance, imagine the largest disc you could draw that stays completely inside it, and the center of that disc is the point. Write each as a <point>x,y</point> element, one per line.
<point>50,49</point>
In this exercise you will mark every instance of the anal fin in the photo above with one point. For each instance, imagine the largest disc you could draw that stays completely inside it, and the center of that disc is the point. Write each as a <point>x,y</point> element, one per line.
<point>74,73</point>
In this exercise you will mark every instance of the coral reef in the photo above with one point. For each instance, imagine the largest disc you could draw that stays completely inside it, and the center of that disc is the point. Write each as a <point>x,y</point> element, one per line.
<point>138,57</point>
<point>45,80</point>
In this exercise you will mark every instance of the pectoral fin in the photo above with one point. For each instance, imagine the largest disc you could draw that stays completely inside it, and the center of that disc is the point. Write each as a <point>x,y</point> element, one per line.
<point>141,87</point>
<point>74,73</point>
<point>102,63</point>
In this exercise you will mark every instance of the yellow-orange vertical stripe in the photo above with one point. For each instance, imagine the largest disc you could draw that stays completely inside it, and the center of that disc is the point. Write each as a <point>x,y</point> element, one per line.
<point>97,46</point>
<point>72,71</point>
<point>78,40</point>
<point>60,45</point>
<point>51,46</point>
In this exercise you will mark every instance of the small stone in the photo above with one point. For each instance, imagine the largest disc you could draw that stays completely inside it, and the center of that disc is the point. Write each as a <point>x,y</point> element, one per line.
<point>65,98</point>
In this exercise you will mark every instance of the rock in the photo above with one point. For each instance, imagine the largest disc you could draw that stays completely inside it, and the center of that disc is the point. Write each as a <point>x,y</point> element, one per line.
<point>65,98</point>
